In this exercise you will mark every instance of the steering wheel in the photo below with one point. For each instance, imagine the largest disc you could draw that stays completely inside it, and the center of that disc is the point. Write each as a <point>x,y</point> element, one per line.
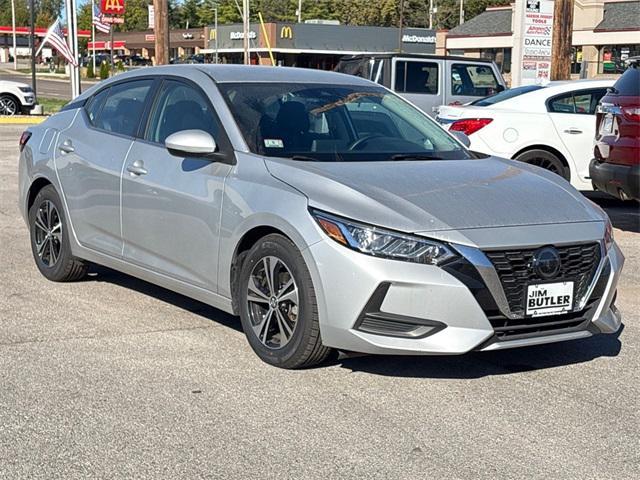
<point>361,141</point>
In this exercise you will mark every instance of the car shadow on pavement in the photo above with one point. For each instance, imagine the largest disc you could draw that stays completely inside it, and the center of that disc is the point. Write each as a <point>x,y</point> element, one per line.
<point>483,364</point>
<point>98,273</point>
<point>624,215</point>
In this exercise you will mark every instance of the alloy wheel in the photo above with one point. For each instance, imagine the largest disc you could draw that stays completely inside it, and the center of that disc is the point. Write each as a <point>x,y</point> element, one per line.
<point>272,297</point>
<point>48,233</point>
<point>8,106</point>
<point>546,164</point>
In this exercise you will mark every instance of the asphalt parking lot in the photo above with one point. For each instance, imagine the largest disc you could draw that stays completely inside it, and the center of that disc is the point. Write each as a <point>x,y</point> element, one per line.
<point>114,377</point>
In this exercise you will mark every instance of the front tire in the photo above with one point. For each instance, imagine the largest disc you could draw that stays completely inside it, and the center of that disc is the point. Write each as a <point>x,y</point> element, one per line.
<point>49,234</point>
<point>546,160</point>
<point>278,307</point>
<point>8,105</point>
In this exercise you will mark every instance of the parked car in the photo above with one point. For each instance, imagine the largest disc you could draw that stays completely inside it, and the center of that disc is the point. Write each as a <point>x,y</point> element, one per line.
<point>137,61</point>
<point>16,97</point>
<point>550,127</point>
<point>100,58</point>
<point>615,168</point>
<point>428,80</point>
<point>324,210</point>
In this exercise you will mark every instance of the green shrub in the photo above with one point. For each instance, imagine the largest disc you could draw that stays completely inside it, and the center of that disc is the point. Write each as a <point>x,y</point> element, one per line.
<point>120,66</point>
<point>90,72</point>
<point>104,70</point>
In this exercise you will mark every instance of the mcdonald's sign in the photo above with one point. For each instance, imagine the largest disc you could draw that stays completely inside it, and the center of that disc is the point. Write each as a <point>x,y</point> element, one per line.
<point>112,7</point>
<point>286,32</point>
<point>212,34</point>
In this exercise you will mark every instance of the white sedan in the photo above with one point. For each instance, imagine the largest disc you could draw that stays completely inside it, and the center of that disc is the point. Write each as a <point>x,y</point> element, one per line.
<point>551,126</point>
<point>16,97</point>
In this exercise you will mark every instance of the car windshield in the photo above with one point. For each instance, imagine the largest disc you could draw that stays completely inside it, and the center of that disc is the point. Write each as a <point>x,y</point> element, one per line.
<point>505,95</point>
<point>324,122</point>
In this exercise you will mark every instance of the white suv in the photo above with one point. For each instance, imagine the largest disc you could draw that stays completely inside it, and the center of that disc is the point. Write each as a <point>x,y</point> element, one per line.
<point>16,97</point>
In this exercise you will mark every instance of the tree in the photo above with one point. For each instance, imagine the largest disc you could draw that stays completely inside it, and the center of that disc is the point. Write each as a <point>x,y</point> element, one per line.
<point>188,13</point>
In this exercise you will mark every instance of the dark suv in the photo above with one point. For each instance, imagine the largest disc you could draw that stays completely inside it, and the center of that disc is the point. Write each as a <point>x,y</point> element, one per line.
<point>616,166</point>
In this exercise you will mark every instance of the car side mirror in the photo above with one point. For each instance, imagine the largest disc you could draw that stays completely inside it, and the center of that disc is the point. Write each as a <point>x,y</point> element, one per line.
<point>500,88</point>
<point>462,137</point>
<point>195,143</point>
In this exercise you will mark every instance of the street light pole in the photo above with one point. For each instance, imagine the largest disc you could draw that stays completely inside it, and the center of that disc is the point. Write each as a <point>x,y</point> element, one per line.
<point>299,11</point>
<point>461,12</point>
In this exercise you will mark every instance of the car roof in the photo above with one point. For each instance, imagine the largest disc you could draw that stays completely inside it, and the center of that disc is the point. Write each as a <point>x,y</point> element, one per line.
<point>432,56</point>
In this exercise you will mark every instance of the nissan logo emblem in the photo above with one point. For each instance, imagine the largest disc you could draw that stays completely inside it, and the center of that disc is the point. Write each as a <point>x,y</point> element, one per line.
<point>546,263</point>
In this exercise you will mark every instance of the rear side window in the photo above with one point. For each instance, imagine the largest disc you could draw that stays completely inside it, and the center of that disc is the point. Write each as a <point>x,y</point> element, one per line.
<point>123,107</point>
<point>416,77</point>
<point>94,106</point>
<point>473,80</point>
<point>581,102</point>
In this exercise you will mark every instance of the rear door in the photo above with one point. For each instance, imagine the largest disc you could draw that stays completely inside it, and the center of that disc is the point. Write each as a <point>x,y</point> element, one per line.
<point>469,81</point>
<point>89,158</point>
<point>171,205</point>
<point>573,116</point>
<point>419,81</point>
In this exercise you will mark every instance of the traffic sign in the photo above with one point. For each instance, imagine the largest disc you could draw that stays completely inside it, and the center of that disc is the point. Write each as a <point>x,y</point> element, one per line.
<point>112,7</point>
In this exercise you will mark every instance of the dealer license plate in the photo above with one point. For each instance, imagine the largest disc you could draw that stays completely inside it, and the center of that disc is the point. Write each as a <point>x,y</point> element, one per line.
<point>549,299</point>
<point>607,125</point>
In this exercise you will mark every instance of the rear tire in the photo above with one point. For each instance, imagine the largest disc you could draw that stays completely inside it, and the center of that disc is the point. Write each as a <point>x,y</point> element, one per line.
<point>278,307</point>
<point>546,160</point>
<point>49,234</point>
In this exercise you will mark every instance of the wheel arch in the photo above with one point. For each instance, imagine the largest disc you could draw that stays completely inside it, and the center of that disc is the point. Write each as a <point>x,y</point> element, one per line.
<point>549,149</point>
<point>246,242</point>
<point>35,187</point>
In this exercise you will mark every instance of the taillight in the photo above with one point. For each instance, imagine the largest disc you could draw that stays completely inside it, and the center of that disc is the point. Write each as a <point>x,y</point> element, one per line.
<point>24,138</point>
<point>470,125</point>
<point>631,113</point>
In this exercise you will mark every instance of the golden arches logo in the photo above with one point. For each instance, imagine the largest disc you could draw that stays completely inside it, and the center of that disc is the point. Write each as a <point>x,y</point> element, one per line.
<point>286,32</point>
<point>113,6</point>
<point>212,34</point>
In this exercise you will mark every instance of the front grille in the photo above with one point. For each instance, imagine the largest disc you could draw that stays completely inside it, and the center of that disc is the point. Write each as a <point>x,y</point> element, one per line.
<point>579,264</point>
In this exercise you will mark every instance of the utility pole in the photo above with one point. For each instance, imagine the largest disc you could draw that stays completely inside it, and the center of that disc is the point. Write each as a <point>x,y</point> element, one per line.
<point>562,40</point>
<point>400,23</point>
<point>161,30</point>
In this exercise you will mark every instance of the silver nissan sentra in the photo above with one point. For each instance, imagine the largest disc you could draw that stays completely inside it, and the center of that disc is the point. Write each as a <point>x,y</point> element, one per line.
<point>324,210</point>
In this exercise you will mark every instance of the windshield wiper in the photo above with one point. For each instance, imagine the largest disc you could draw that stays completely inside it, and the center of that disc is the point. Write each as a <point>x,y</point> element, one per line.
<point>304,158</point>
<point>414,156</point>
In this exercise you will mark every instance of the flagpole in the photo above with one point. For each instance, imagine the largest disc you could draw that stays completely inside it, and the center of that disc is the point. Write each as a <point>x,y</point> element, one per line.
<point>93,35</point>
<point>32,38</point>
<point>13,24</point>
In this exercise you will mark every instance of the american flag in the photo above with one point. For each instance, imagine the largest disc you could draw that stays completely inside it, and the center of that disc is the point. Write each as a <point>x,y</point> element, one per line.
<point>55,38</point>
<point>97,21</point>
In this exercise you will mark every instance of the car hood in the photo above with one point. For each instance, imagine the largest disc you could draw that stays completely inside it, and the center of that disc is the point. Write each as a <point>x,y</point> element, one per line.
<point>423,196</point>
<point>11,83</point>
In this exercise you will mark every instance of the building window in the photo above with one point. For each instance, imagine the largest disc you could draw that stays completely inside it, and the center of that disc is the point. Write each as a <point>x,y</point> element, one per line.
<point>612,57</point>
<point>576,59</point>
<point>502,57</point>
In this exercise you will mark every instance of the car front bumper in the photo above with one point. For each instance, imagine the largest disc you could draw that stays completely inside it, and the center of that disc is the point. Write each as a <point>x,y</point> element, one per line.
<point>449,319</point>
<point>612,178</point>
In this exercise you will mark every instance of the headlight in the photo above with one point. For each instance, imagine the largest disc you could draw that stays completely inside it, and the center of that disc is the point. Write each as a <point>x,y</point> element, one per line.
<point>25,89</point>
<point>608,235</point>
<point>383,243</point>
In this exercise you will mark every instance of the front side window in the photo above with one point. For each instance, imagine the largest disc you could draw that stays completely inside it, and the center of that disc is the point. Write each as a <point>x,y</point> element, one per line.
<point>181,107</point>
<point>94,106</point>
<point>416,77</point>
<point>123,107</point>
<point>473,80</point>
<point>335,123</point>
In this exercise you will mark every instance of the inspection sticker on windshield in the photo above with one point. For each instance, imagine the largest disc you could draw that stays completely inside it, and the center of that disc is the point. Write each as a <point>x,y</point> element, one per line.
<point>549,299</point>
<point>273,143</point>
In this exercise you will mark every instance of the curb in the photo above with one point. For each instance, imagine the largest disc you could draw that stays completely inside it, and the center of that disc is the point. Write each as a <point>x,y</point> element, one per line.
<point>22,120</point>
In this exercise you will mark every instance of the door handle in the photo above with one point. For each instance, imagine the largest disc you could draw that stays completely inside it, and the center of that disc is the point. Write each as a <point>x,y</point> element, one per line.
<point>137,168</point>
<point>66,146</point>
<point>573,131</point>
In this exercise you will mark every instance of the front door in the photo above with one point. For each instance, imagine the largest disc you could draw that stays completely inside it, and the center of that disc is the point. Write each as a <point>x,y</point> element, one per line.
<point>89,158</point>
<point>171,205</point>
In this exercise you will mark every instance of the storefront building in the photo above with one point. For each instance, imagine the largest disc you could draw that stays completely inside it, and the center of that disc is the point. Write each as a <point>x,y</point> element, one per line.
<point>314,45</point>
<point>605,34</point>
